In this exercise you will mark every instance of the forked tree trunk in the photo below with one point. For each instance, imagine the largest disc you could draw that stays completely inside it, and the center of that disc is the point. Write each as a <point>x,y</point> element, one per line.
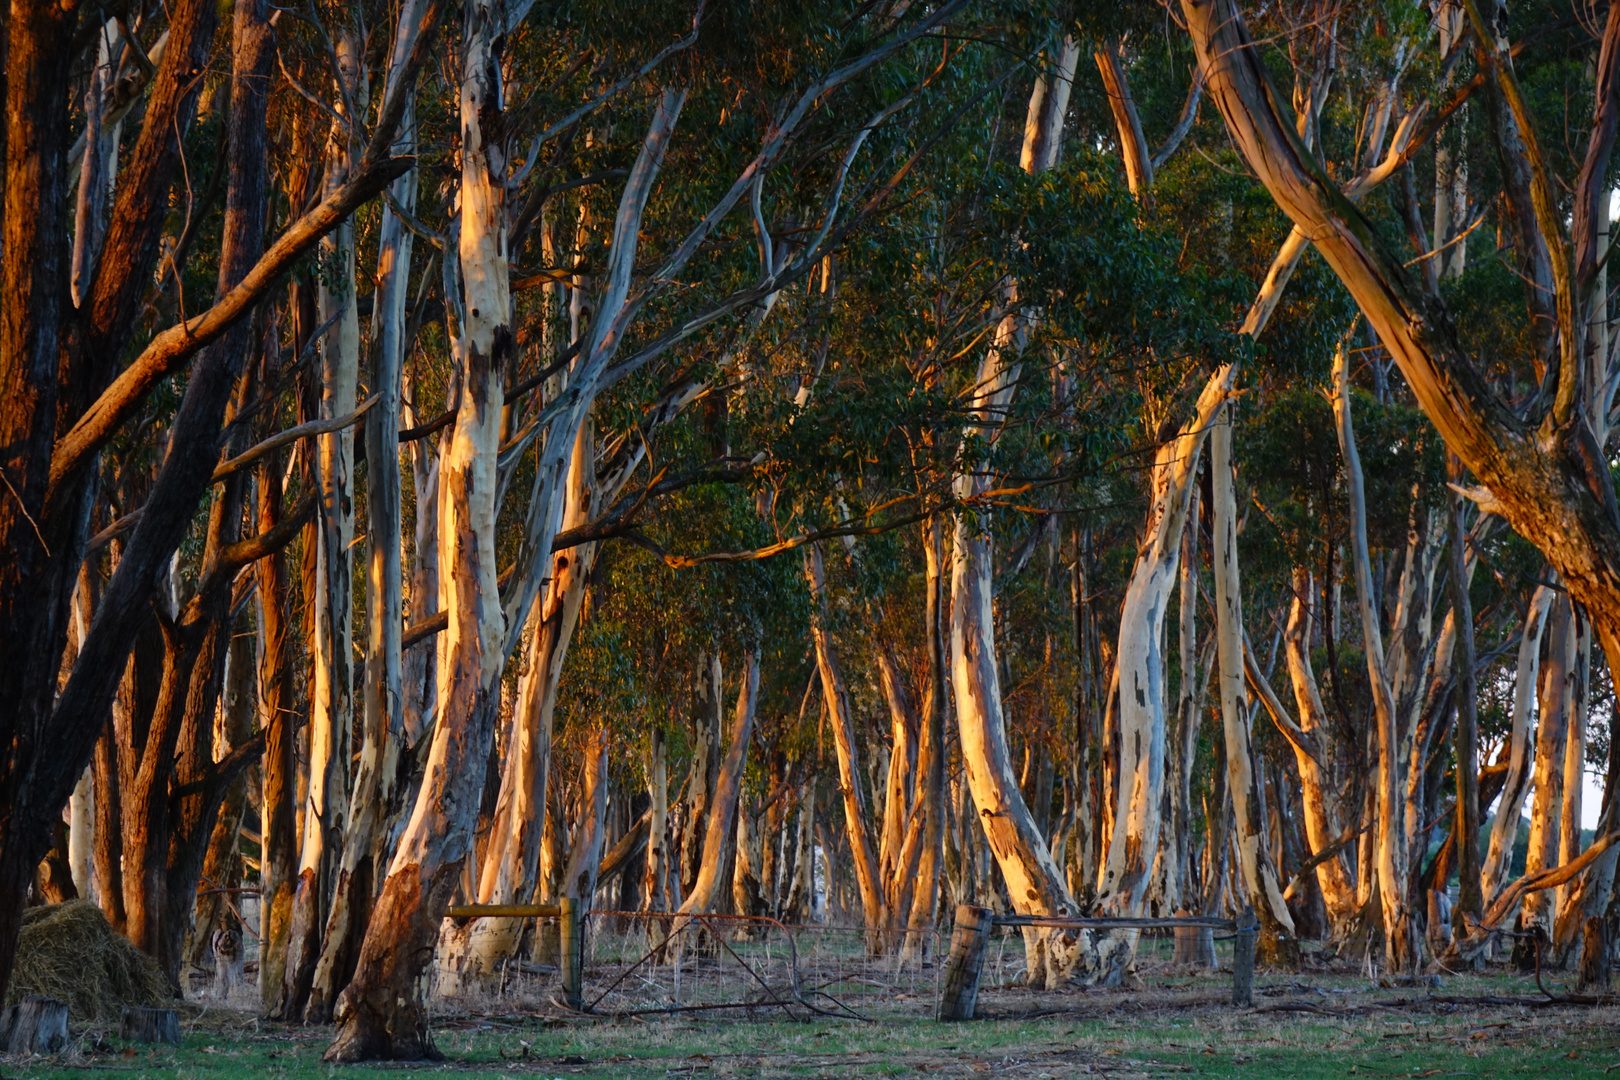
<point>513,855</point>
<point>723,803</point>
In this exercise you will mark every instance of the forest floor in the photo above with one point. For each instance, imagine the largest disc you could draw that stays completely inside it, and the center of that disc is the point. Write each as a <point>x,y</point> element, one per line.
<point>1308,1026</point>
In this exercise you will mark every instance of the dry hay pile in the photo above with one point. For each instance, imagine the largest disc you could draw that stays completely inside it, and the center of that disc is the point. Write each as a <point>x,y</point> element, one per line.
<point>70,952</point>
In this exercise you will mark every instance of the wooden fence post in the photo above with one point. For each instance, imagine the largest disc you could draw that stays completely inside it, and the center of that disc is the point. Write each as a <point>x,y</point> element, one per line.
<point>961,987</point>
<point>1243,960</point>
<point>571,962</point>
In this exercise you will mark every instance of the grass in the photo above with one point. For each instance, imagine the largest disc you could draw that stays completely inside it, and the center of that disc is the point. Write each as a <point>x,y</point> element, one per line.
<point>1306,1027</point>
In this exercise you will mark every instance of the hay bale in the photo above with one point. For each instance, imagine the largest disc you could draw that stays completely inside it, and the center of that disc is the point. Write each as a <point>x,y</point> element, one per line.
<point>70,952</point>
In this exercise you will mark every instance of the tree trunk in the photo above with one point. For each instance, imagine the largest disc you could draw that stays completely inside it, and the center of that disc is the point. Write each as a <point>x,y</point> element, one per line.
<point>1505,827</point>
<point>723,804</point>
<point>1133,147</point>
<point>927,828</point>
<point>82,836</point>
<point>383,720</point>
<point>585,851</point>
<point>898,877</point>
<point>1261,887</point>
<point>1574,763</point>
<point>331,647</point>
<point>856,824</point>
<point>656,889</point>
<point>1552,734</point>
<point>1400,944</point>
<point>1470,901</point>
<point>513,855</point>
<point>1320,795</point>
<point>278,840</point>
<point>1135,845</point>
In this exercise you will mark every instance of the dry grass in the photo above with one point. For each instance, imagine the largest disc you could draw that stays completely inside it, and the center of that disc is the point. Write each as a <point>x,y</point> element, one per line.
<point>70,952</point>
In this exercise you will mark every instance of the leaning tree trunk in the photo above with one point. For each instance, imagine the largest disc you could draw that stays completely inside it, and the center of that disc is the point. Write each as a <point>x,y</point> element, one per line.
<point>513,855</point>
<point>1034,883</point>
<point>856,825</point>
<point>1547,477</point>
<point>723,803</point>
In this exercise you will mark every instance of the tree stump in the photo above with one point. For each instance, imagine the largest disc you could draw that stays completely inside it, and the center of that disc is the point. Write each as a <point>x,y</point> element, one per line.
<point>35,1025</point>
<point>151,1025</point>
<point>1595,954</point>
<point>1195,945</point>
<point>961,987</point>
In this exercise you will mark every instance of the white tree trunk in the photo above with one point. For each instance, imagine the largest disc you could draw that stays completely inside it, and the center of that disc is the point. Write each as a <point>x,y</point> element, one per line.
<point>1141,666</point>
<point>1391,840</point>
<point>1552,734</point>
<point>1320,795</point>
<point>723,802</point>
<point>382,1012</point>
<point>1505,826</point>
<point>331,695</point>
<point>856,823</point>
<point>1259,875</point>
<point>656,888</point>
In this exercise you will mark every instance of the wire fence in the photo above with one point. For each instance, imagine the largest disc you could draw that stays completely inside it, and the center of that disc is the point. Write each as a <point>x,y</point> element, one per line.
<point>636,963</point>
